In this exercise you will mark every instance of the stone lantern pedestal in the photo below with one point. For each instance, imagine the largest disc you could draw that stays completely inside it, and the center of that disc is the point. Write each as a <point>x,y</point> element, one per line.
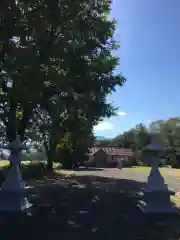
<point>12,193</point>
<point>156,196</point>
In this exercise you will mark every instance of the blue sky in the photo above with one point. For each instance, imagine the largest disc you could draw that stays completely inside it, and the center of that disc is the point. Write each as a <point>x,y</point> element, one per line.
<point>149,35</point>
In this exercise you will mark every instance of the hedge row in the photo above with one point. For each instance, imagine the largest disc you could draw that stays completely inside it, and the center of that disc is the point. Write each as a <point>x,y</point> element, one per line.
<point>33,170</point>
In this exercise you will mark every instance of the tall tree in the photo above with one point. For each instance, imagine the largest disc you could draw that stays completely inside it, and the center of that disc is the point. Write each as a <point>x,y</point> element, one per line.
<point>142,136</point>
<point>53,49</point>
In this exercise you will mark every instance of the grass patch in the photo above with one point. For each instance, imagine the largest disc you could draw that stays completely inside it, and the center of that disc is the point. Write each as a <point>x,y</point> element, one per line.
<point>173,172</point>
<point>64,172</point>
<point>31,168</point>
<point>144,169</point>
<point>176,200</point>
<point>4,163</point>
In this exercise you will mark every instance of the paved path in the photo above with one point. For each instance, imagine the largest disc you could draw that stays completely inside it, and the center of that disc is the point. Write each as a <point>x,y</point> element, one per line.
<point>135,175</point>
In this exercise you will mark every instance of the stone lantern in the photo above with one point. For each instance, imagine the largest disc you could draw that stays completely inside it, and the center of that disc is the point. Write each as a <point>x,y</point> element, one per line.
<point>12,193</point>
<point>156,196</point>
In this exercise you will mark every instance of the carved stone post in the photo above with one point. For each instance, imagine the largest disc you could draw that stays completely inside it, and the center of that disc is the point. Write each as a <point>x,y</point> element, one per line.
<point>12,193</point>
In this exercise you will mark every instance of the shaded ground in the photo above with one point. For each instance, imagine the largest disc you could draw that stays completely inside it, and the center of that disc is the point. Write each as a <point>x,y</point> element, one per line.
<point>86,207</point>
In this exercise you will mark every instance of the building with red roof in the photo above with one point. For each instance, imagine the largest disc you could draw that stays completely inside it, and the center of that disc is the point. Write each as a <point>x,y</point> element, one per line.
<point>107,156</point>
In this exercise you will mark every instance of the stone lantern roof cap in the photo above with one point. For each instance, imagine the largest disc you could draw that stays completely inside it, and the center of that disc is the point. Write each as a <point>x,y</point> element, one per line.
<point>154,145</point>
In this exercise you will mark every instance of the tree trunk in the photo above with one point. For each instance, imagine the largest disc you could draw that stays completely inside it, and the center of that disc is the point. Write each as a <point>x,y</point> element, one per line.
<point>49,164</point>
<point>50,158</point>
<point>50,161</point>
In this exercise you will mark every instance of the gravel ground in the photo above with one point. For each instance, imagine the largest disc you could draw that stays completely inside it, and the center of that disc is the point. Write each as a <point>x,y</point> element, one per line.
<point>88,208</point>
<point>172,182</point>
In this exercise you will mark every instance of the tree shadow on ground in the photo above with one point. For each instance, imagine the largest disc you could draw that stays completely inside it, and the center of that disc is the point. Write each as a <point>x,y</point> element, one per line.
<point>85,207</point>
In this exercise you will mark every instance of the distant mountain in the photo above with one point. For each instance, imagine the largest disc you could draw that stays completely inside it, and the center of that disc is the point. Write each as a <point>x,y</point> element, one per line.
<point>101,138</point>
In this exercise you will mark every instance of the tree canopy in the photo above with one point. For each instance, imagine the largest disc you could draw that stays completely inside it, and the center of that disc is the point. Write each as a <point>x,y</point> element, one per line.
<point>56,69</point>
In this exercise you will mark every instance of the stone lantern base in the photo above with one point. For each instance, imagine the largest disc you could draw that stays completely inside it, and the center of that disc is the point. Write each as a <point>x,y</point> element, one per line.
<point>13,201</point>
<point>156,201</point>
<point>156,195</point>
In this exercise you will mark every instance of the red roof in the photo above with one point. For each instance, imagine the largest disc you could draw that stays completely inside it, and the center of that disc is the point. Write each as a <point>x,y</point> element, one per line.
<point>111,151</point>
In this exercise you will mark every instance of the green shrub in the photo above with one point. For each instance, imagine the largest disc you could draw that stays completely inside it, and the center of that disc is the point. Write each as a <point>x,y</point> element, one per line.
<point>33,170</point>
